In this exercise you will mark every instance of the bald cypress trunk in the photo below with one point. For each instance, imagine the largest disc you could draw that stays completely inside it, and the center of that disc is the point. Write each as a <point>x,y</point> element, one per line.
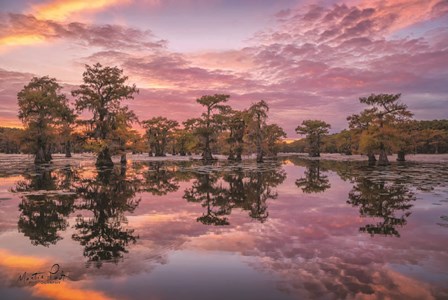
<point>372,158</point>
<point>68,149</point>
<point>401,155</point>
<point>39,157</point>
<point>104,158</point>
<point>383,160</point>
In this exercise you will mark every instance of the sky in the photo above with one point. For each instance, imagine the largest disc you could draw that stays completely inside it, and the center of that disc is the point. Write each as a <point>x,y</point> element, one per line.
<point>306,59</point>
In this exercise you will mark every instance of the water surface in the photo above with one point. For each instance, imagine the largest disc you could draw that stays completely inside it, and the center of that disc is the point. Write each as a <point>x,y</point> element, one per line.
<point>290,228</point>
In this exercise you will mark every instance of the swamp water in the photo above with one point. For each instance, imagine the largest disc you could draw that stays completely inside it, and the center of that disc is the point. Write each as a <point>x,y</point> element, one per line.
<point>291,228</point>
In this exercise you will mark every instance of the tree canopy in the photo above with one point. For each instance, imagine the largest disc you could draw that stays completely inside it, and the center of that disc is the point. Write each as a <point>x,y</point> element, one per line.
<point>42,109</point>
<point>314,130</point>
<point>103,91</point>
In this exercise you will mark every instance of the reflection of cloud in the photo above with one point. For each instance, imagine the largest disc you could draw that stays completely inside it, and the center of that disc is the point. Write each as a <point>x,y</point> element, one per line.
<point>22,262</point>
<point>67,291</point>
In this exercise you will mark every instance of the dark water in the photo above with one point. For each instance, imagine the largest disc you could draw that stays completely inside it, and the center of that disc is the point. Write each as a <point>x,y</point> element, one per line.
<point>286,229</point>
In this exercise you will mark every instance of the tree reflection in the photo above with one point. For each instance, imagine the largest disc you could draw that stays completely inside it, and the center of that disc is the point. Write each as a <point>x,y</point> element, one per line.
<point>314,181</point>
<point>45,206</point>
<point>210,194</point>
<point>258,189</point>
<point>108,197</point>
<point>389,201</point>
<point>247,190</point>
<point>161,179</point>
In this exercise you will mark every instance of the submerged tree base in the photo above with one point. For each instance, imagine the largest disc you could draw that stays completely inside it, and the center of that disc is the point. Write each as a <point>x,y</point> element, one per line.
<point>383,160</point>
<point>401,156</point>
<point>42,157</point>
<point>104,159</point>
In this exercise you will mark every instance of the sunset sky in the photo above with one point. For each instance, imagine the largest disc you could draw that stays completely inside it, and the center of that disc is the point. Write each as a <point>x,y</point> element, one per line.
<point>307,59</point>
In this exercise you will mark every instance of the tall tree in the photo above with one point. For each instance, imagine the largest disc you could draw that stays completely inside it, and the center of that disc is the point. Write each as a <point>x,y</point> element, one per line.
<point>314,130</point>
<point>102,92</point>
<point>42,108</point>
<point>259,114</point>
<point>385,115</point>
<point>158,131</point>
<point>210,123</point>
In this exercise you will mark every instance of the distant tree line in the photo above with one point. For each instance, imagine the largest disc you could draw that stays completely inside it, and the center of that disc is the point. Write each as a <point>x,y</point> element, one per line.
<point>52,124</point>
<point>424,137</point>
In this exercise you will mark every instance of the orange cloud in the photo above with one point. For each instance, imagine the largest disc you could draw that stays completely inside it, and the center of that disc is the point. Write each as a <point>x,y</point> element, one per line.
<point>60,10</point>
<point>21,39</point>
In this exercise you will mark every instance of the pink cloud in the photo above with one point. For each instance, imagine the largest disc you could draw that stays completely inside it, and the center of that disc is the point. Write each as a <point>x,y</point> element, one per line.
<point>19,26</point>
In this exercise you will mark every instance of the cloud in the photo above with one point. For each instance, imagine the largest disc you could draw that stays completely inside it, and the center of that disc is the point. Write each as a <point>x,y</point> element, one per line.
<point>22,29</point>
<point>61,10</point>
<point>10,84</point>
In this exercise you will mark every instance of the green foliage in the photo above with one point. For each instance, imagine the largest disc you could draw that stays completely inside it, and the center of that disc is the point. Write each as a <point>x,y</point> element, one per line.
<point>273,133</point>
<point>207,127</point>
<point>379,126</point>
<point>102,93</point>
<point>43,109</point>
<point>258,113</point>
<point>237,123</point>
<point>10,139</point>
<point>159,130</point>
<point>314,130</point>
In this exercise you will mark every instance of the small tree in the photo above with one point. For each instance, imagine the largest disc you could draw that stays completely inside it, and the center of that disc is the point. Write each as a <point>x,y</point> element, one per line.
<point>274,134</point>
<point>102,92</point>
<point>158,131</point>
<point>122,132</point>
<point>42,109</point>
<point>360,124</point>
<point>314,130</point>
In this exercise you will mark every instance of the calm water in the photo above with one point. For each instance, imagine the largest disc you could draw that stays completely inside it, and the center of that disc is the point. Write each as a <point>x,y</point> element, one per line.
<point>286,229</point>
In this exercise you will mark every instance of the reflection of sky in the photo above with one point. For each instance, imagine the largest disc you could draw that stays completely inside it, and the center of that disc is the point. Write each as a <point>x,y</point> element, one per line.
<point>309,246</point>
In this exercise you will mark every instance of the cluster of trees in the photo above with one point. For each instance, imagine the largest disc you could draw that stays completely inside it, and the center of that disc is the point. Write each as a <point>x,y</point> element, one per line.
<point>52,124</point>
<point>384,127</point>
<point>50,121</point>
